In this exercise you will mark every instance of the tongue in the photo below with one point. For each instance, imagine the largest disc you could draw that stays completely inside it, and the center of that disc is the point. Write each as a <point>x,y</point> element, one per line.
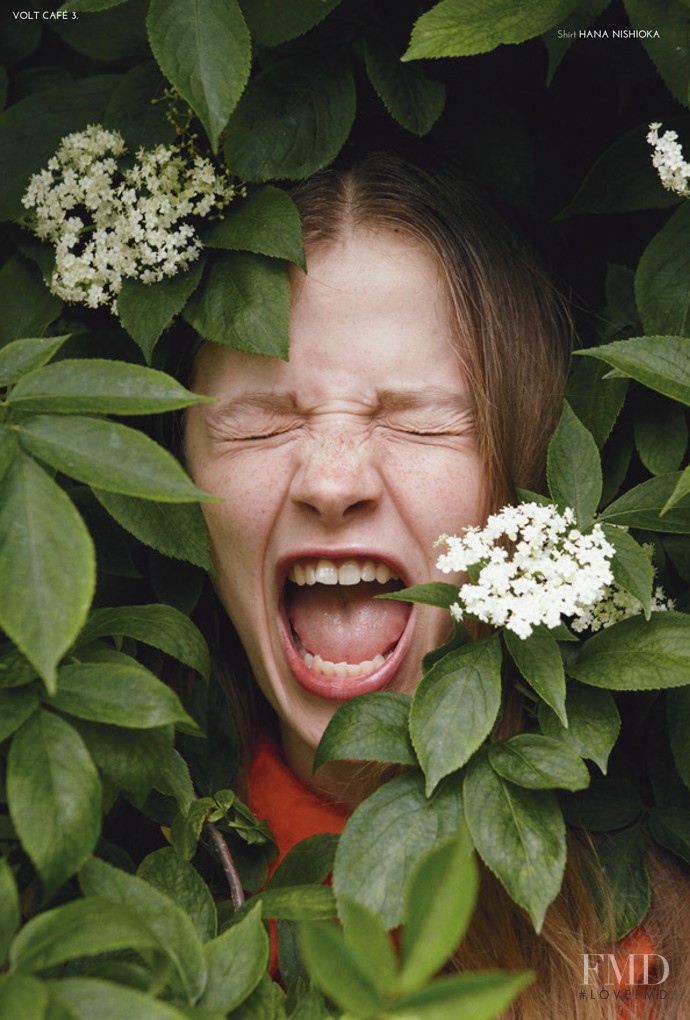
<point>344,623</point>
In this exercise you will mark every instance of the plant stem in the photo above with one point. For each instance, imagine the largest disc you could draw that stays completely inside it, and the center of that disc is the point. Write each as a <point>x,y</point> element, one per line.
<point>228,865</point>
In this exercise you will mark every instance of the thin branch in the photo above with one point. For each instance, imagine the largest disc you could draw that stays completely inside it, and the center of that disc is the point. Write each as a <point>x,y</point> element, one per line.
<point>228,865</point>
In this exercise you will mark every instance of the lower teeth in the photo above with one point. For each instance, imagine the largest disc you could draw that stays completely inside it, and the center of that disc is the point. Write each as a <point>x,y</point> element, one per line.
<point>318,665</point>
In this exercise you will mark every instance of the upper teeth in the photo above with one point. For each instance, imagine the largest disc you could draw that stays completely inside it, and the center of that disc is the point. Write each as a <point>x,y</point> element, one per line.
<point>347,572</point>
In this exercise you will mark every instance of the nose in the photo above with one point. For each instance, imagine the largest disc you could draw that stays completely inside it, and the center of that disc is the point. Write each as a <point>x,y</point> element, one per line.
<point>337,475</point>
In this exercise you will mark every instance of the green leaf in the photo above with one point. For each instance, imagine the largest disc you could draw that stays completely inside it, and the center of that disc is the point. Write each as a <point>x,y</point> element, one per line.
<point>461,28</point>
<point>642,507</point>
<point>101,386</point>
<point>54,796</point>
<point>677,549</point>
<point>623,860</point>
<point>670,826</point>
<point>311,860</point>
<point>637,655</point>
<point>161,626</point>
<point>573,467</point>
<point>386,836</point>
<point>15,708</point>
<point>10,916</point>
<point>434,593</point>
<point>271,25</point>
<point>538,658</point>
<point>108,456</point>
<point>243,301</point>
<point>118,33</point>
<point>23,356</point>
<point>173,529</point>
<point>186,827</point>
<point>369,943</point>
<point>672,21</point>
<point>15,668</point>
<point>47,565</point>
<point>265,1003</point>
<point>179,880</point>
<point>294,903</point>
<point>21,996</point>
<point>30,132</point>
<point>660,362</point>
<point>616,458</point>
<point>538,763</point>
<point>455,706</point>
<point>662,283</point>
<point>146,310</point>
<point>594,723</point>
<point>118,694</point>
<point>267,223</point>
<point>83,998</point>
<point>293,119</point>
<point>476,996</point>
<point>337,970</point>
<point>8,448</point>
<point>205,52</point>
<point>622,180</point>
<point>596,401</point>
<point>84,927</point>
<point>236,961</point>
<point>174,780</point>
<point>28,307</point>
<point>678,720</point>
<point>607,804</point>
<point>661,434</point>
<point>632,567</point>
<point>410,96</point>
<point>133,760</point>
<point>439,901</point>
<point>681,490</point>
<point>371,727</point>
<point>520,835</point>
<point>168,923</point>
<point>136,111</point>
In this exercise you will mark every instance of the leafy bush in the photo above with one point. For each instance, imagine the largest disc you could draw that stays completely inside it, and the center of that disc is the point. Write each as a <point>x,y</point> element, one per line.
<point>103,546</point>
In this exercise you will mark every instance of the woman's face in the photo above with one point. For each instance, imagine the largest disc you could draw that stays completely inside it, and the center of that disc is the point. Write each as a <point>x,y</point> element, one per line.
<point>338,471</point>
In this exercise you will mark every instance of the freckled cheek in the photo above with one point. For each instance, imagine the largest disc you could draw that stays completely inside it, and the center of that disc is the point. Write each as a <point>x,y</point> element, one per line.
<point>437,491</point>
<point>240,524</point>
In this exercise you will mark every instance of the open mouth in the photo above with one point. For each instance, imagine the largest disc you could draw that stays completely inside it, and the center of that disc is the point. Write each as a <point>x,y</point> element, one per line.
<point>341,640</point>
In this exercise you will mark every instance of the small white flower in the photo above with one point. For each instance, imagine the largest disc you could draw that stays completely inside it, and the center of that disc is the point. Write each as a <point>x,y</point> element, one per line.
<point>132,223</point>
<point>673,171</point>
<point>553,570</point>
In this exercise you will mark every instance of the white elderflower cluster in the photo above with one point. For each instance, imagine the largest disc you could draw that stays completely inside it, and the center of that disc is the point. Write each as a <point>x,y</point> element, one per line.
<point>109,222</point>
<point>552,570</point>
<point>673,171</point>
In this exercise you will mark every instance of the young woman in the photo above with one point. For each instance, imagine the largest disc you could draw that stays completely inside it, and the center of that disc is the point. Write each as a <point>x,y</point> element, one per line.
<point>426,373</point>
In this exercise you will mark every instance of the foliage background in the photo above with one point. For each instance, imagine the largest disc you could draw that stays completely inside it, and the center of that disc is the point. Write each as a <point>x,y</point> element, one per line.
<point>102,557</point>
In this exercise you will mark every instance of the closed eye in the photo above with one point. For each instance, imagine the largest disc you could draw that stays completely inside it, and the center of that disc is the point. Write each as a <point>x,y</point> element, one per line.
<point>253,436</point>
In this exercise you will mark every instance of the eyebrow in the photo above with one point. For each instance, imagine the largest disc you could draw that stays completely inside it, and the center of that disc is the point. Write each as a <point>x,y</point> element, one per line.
<point>427,396</point>
<point>385,400</point>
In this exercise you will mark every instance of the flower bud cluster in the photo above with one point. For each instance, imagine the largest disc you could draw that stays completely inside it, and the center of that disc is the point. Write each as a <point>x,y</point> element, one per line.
<point>109,221</point>
<point>534,567</point>
<point>673,171</point>
<point>618,604</point>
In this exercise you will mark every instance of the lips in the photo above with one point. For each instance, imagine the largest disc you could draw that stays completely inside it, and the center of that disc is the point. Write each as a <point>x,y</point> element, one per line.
<point>338,639</point>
